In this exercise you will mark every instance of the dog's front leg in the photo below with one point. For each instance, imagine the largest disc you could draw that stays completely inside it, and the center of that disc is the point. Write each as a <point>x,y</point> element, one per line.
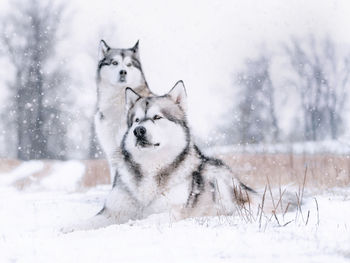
<point>119,208</point>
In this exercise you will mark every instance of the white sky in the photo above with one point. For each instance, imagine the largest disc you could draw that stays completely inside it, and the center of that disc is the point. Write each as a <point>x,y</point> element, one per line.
<point>201,42</point>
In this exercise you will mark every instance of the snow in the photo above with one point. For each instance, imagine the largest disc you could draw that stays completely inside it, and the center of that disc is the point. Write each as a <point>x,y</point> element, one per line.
<point>64,176</point>
<point>24,170</point>
<point>339,147</point>
<point>30,223</point>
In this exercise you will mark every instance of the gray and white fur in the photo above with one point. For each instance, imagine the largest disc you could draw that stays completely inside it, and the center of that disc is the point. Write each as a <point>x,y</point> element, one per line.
<point>117,69</point>
<point>162,170</point>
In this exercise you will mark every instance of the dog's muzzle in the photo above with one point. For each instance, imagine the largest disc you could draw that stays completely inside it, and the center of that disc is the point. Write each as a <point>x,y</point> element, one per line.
<point>122,75</point>
<point>140,132</point>
<point>141,139</point>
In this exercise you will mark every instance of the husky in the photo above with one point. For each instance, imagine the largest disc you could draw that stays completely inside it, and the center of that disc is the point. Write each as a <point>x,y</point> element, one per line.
<point>162,169</point>
<point>117,69</point>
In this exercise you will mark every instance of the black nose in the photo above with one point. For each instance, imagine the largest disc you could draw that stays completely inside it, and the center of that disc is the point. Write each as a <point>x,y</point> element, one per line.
<point>140,132</point>
<point>122,72</point>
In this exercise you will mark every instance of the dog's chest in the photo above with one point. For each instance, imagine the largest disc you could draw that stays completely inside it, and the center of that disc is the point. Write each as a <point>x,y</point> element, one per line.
<point>155,197</point>
<point>111,107</point>
<point>110,121</point>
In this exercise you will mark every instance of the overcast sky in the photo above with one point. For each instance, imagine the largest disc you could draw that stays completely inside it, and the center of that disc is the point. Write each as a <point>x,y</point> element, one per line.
<point>201,42</point>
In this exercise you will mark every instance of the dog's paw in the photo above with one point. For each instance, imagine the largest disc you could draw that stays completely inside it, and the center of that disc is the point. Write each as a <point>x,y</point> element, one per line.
<point>93,223</point>
<point>67,229</point>
<point>74,227</point>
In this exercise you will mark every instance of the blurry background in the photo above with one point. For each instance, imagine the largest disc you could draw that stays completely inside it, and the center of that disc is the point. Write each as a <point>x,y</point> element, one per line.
<point>271,73</point>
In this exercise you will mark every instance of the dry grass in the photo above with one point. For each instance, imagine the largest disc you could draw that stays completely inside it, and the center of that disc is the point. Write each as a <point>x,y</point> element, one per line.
<point>6,165</point>
<point>323,171</point>
<point>97,172</point>
<point>278,206</point>
<point>24,183</point>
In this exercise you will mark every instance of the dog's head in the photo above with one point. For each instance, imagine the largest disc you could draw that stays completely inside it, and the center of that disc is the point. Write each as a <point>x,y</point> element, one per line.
<point>157,124</point>
<point>120,66</point>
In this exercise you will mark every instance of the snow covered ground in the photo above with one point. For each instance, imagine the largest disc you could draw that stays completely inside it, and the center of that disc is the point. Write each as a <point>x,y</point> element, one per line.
<point>338,147</point>
<point>30,221</point>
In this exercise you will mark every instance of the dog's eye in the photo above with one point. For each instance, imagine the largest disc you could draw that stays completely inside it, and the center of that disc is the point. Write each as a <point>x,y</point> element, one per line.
<point>128,65</point>
<point>137,120</point>
<point>156,117</point>
<point>115,63</point>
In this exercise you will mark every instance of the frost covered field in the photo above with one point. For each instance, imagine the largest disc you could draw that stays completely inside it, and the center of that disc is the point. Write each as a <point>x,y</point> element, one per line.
<point>30,219</point>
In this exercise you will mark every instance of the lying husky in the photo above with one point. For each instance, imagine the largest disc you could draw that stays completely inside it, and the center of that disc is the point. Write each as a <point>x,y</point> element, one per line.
<point>162,169</point>
<point>117,69</point>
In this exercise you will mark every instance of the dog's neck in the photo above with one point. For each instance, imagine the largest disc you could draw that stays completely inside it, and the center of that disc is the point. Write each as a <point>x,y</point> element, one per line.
<point>165,162</point>
<point>109,95</point>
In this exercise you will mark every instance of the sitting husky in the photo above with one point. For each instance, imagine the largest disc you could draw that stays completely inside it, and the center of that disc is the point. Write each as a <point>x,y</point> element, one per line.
<point>117,69</point>
<point>162,169</point>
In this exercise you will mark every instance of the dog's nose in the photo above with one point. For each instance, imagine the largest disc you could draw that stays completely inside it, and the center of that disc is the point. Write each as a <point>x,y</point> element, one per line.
<point>122,72</point>
<point>140,131</point>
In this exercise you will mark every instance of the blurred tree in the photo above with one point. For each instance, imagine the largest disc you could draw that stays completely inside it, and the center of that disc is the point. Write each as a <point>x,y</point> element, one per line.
<point>30,35</point>
<point>321,76</point>
<point>95,151</point>
<point>256,119</point>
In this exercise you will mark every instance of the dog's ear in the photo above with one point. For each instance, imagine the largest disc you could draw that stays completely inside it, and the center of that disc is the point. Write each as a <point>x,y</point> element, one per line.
<point>178,94</point>
<point>135,48</point>
<point>130,98</point>
<point>103,49</point>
